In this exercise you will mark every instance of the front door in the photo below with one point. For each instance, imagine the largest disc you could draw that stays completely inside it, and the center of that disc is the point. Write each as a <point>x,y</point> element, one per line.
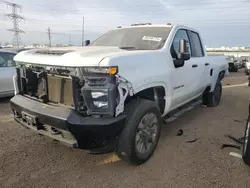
<point>181,78</point>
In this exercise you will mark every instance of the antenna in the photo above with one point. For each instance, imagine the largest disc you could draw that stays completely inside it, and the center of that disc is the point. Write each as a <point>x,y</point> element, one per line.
<point>49,35</point>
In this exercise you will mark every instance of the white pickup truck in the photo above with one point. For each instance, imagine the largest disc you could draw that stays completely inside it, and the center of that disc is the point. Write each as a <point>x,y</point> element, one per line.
<point>112,94</point>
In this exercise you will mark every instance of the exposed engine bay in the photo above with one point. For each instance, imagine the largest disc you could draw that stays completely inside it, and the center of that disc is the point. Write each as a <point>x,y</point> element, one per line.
<point>86,92</point>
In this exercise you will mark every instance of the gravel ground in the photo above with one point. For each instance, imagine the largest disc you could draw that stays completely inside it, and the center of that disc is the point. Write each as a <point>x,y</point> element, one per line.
<point>29,160</point>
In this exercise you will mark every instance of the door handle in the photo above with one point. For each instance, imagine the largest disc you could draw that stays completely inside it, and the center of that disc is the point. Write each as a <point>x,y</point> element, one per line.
<point>206,64</point>
<point>194,65</point>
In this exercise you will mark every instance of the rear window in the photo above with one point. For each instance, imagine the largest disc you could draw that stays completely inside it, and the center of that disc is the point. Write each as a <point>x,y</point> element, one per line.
<point>196,47</point>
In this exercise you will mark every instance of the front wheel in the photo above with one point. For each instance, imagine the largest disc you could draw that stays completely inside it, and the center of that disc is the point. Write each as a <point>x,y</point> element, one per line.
<point>141,133</point>
<point>246,145</point>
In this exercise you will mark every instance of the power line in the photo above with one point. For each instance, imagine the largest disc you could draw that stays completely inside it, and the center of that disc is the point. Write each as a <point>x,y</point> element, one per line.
<point>49,35</point>
<point>15,18</point>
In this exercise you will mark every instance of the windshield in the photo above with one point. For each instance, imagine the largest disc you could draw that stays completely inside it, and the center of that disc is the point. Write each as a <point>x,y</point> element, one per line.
<point>135,38</point>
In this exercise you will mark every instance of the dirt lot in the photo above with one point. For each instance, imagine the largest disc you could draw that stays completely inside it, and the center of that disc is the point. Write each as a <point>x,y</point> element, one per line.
<point>30,160</point>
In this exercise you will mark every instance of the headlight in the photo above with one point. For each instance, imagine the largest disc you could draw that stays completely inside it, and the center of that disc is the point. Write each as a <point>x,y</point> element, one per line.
<point>101,70</point>
<point>100,90</point>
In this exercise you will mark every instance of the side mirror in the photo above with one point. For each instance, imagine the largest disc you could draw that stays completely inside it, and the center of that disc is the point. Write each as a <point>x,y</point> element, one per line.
<point>184,53</point>
<point>87,42</point>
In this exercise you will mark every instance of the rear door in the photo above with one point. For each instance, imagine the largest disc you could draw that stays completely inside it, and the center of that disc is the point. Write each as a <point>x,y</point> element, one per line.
<point>7,71</point>
<point>200,64</point>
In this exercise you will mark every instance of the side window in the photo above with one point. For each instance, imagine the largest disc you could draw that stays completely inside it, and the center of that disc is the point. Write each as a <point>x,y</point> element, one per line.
<point>196,45</point>
<point>6,59</point>
<point>181,34</point>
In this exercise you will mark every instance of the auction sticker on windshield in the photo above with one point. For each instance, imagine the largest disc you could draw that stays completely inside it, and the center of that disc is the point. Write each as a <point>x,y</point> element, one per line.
<point>156,39</point>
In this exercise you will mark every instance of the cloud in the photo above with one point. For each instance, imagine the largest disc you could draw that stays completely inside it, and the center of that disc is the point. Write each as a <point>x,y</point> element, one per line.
<point>223,22</point>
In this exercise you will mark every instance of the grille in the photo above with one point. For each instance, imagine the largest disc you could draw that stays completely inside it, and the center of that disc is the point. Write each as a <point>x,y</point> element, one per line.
<point>60,90</point>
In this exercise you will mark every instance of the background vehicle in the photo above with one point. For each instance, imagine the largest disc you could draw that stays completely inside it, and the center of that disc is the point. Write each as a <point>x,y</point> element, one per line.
<point>7,70</point>
<point>243,60</point>
<point>247,66</point>
<point>233,64</point>
<point>112,94</point>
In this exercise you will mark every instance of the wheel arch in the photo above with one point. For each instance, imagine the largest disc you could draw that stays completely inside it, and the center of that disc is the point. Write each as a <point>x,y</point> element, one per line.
<point>219,77</point>
<point>155,92</point>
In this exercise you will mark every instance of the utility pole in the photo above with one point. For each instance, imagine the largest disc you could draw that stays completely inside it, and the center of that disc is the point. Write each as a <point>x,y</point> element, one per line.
<point>83,31</point>
<point>49,35</point>
<point>69,40</point>
<point>15,18</point>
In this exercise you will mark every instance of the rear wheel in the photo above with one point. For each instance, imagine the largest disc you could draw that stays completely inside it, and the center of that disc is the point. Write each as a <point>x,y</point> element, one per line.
<point>246,145</point>
<point>212,99</point>
<point>141,133</point>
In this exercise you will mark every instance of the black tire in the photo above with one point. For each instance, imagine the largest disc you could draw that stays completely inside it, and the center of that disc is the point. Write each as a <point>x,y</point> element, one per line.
<point>246,145</point>
<point>136,110</point>
<point>212,99</point>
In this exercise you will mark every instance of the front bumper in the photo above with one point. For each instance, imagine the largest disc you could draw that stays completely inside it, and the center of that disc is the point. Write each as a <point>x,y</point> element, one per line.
<point>87,132</point>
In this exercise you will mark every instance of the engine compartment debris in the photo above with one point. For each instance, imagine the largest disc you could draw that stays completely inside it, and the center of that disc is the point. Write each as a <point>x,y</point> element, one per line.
<point>192,141</point>
<point>180,132</point>
<point>237,140</point>
<point>230,146</point>
<point>239,121</point>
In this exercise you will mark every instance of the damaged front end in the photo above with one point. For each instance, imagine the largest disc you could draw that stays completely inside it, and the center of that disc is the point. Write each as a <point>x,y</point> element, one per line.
<point>90,91</point>
<point>87,102</point>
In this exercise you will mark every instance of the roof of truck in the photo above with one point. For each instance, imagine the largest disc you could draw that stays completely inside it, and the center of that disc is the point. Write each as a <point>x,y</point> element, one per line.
<point>158,25</point>
<point>149,25</point>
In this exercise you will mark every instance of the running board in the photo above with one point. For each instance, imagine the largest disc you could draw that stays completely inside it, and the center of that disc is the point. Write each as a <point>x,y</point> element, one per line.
<point>180,111</point>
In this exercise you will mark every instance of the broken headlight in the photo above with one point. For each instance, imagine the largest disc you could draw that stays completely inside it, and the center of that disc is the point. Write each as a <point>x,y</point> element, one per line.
<point>100,90</point>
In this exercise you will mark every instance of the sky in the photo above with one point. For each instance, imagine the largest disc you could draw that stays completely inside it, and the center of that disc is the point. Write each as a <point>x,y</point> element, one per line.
<point>220,22</point>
